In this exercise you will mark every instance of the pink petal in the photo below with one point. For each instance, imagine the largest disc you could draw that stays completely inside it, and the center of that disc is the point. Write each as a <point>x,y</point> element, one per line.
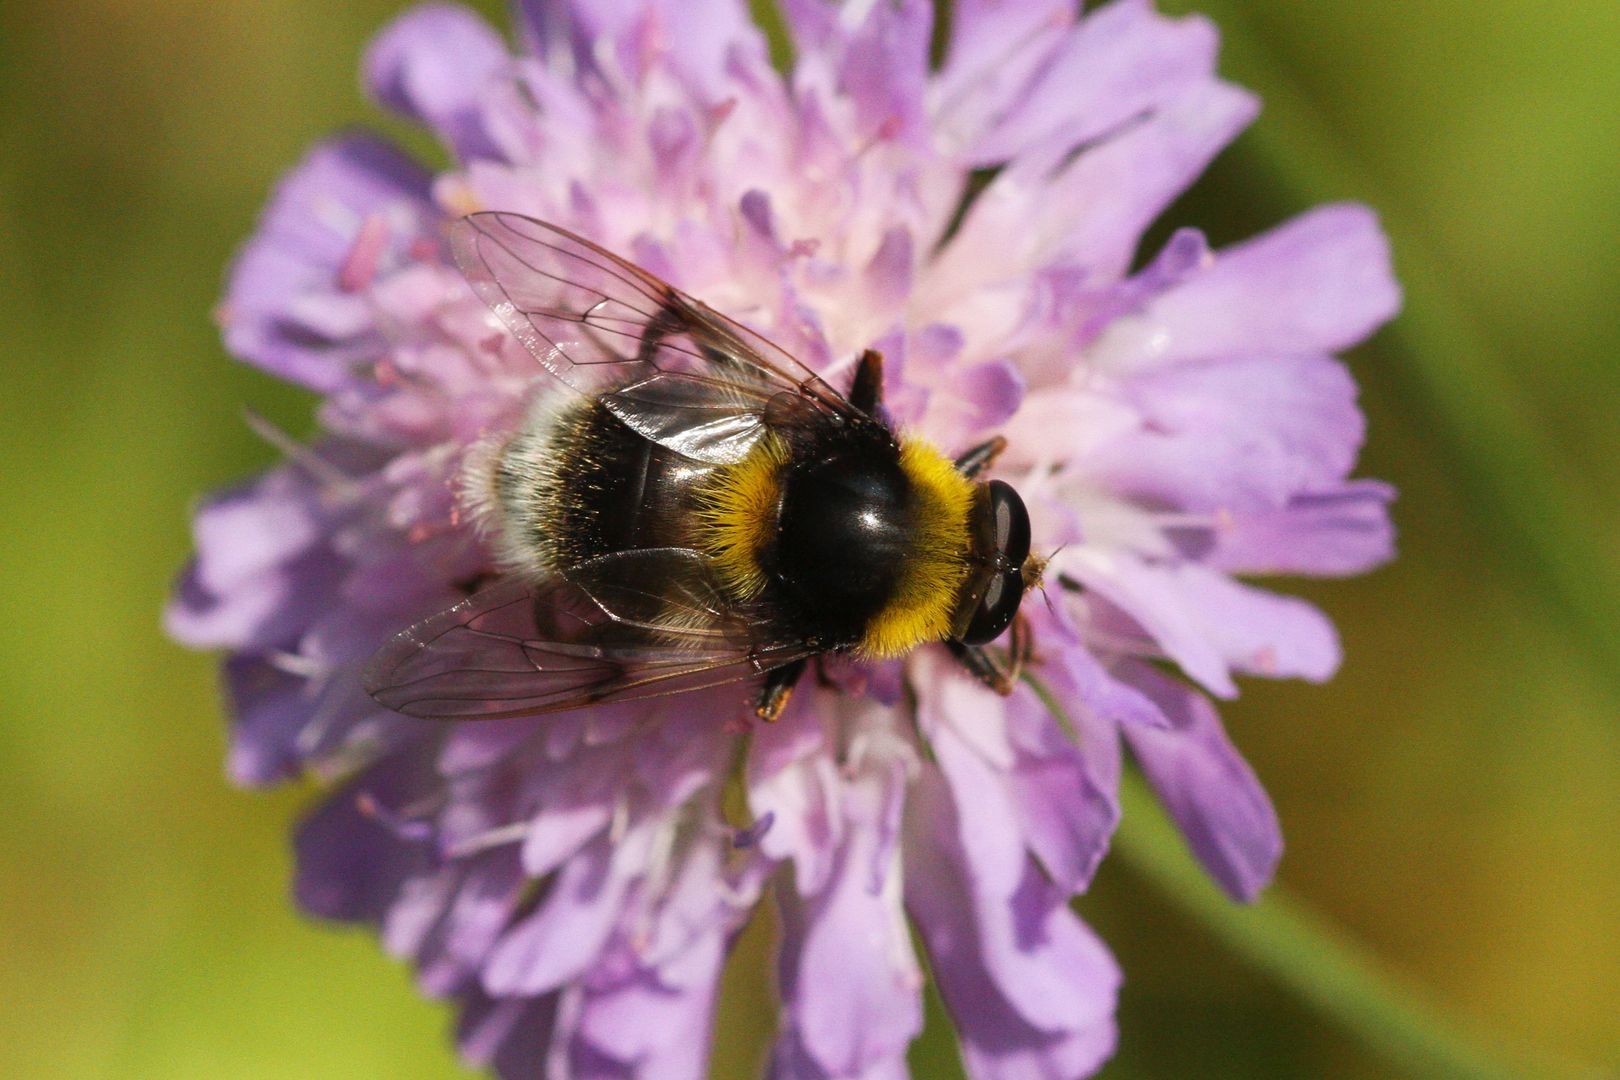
<point>1090,214</point>
<point>433,64</point>
<point>851,988</point>
<point>1325,533</point>
<point>562,939</point>
<point>1125,60</point>
<point>1320,283</point>
<point>1234,436</point>
<point>282,304</point>
<point>1207,786</point>
<point>1031,989</point>
<point>1210,624</point>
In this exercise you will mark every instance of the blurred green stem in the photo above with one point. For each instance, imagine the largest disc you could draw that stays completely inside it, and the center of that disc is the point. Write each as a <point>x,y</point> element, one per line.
<point>1288,942</point>
<point>1300,950</point>
<point>1455,379</point>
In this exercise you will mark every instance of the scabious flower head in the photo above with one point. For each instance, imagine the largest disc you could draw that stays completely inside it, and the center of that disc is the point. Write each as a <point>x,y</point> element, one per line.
<point>1176,420</point>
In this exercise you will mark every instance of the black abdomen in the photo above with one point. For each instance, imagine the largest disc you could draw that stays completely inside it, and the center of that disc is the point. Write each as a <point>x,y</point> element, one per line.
<point>612,490</point>
<point>838,541</point>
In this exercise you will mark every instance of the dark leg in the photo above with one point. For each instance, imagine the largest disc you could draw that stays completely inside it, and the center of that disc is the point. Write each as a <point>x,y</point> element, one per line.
<point>999,674</point>
<point>866,392</point>
<point>777,688</point>
<point>824,680</point>
<point>980,458</point>
<point>1021,645</point>
<point>668,321</point>
<point>984,666</point>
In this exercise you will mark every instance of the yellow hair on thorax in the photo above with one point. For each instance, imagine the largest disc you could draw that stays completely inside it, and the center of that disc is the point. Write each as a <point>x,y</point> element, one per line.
<point>924,602</point>
<point>738,512</point>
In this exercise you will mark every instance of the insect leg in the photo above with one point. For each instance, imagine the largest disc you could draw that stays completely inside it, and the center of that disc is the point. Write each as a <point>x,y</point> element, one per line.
<point>823,679</point>
<point>668,321</point>
<point>677,317</point>
<point>1021,645</point>
<point>777,688</point>
<point>866,391</point>
<point>981,457</point>
<point>985,666</point>
<point>673,319</point>
<point>998,673</point>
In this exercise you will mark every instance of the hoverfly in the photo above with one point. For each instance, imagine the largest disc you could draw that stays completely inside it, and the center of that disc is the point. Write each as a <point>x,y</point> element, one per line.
<point>705,510</point>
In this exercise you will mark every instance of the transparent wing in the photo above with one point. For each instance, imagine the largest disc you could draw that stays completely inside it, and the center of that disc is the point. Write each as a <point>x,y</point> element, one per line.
<point>638,624</point>
<point>682,374</point>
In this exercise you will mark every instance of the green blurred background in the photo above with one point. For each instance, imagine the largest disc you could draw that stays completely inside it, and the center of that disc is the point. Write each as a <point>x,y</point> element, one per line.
<point>1451,801</point>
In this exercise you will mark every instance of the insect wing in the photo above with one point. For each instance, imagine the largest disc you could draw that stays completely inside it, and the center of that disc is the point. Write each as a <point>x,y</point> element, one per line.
<point>658,591</point>
<point>703,419</point>
<point>687,377</point>
<point>516,649</point>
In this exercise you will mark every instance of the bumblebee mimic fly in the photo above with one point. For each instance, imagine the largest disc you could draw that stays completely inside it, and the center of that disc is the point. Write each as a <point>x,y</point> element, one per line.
<point>705,510</point>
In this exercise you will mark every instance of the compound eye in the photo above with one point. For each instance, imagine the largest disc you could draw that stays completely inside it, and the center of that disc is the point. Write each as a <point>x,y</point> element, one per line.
<point>1009,524</point>
<point>996,608</point>
<point>1008,539</point>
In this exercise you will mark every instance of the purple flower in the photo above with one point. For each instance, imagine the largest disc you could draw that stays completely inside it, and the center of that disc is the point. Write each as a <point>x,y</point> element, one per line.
<point>1176,420</point>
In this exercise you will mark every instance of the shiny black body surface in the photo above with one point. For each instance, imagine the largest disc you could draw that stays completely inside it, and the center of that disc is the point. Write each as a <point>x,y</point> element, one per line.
<point>845,528</point>
<point>611,490</point>
<point>843,522</point>
<point>1003,531</point>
